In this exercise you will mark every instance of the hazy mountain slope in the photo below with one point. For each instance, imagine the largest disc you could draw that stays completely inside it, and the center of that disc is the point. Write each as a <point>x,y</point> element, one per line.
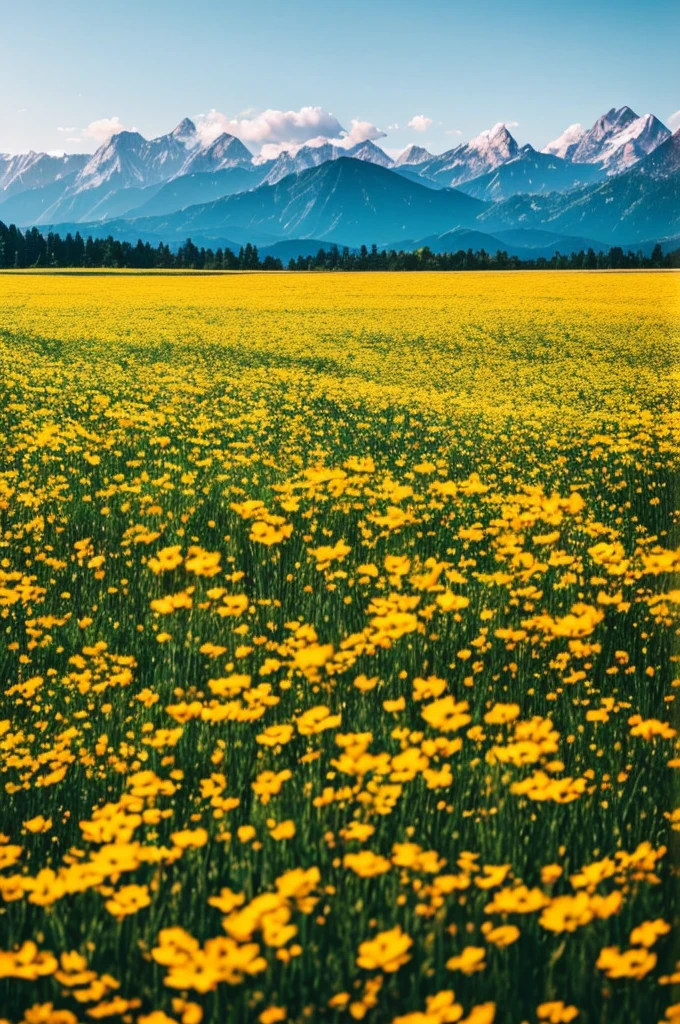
<point>193,189</point>
<point>36,170</point>
<point>531,173</point>
<point>27,206</point>
<point>347,201</point>
<point>642,203</point>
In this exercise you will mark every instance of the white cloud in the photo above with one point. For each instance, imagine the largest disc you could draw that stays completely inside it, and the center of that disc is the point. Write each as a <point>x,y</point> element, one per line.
<point>420,123</point>
<point>273,132</point>
<point>74,139</point>
<point>453,131</point>
<point>271,126</point>
<point>73,129</point>
<point>361,131</point>
<point>55,152</point>
<point>674,120</point>
<point>103,129</point>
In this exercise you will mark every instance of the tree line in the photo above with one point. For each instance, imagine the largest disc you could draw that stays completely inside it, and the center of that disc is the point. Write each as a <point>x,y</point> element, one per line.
<point>30,248</point>
<point>425,259</point>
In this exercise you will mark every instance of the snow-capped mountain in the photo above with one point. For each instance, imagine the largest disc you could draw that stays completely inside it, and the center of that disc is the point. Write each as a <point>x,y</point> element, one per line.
<point>484,153</point>
<point>531,173</point>
<point>369,152</point>
<point>293,163</point>
<point>618,139</point>
<point>313,156</point>
<point>34,170</point>
<point>412,156</point>
<point>639,204</point>
<point>663,162</point>
<point>176,171</point>
<point>186,133</point>
<point>128,160</point>
<point>565,145</point>
<point>638,140</point>
<point>224,152</point>
<point>119,161</point>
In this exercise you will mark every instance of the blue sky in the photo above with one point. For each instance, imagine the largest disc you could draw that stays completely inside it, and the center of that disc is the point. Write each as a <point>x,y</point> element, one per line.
<point>461,67</point>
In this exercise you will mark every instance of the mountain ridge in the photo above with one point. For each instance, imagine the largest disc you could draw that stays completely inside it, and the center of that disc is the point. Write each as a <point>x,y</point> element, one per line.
<point>616,180</point>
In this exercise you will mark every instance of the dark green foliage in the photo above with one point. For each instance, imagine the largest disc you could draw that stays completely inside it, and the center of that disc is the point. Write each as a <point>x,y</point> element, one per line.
<point>32,249</point>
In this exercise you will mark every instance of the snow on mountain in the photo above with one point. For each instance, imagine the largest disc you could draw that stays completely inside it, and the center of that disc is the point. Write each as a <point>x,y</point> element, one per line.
<point>565,145</point>
<point>119,160</point>
<point>663,162</point>
<point>491,166</point>
<point>186,133</point>
<point>306,157</point>
<point>224,152</point>
<point>369,152</point>
<point>595,140</point>
<point>618,139</point>
<point>128,160</point>
<point>35,170</point>
<point>531,173</point>
<point>640,138</point>
<point>486,151</point>
<point>313,156</point>
<point>412,156</point>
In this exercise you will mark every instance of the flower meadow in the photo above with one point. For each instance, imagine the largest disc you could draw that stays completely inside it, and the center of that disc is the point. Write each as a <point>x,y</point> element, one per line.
<point>339,661</point>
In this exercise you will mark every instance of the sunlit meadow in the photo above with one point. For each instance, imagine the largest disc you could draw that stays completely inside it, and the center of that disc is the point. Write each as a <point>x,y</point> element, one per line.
<point>339,642</point>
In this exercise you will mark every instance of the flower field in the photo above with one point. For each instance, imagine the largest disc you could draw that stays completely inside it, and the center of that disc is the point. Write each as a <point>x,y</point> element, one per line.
<point>339,658</point>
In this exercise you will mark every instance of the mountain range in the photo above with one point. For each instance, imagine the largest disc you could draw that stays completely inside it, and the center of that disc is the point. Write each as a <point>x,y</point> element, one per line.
<point>615,183</point>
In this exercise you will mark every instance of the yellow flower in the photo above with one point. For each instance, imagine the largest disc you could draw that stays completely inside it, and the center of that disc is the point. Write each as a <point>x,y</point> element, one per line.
<point>268,784</point>
<point>317,720</point>
<point>450,602</point>
<point>38,824</point>
<point>567,913</point>
<point>500,714</point>
<point>503,936</point>
<point>469,961</point>
<point>631,963</point>
<point>28,963</point>
<point>556,1013</point>
<point>128,900</point>
<point>446,714</point>
<point>648,932</point>
<point>388,951</point>
<point>272,1015</point>
<point>227,900</point>
<point>366,864</point>
<point>284,830</point>
<point>166,559</point>
<point>327,554</point>
<point>275,735</point>
<point>245,833</point>
<point>189,837</point>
